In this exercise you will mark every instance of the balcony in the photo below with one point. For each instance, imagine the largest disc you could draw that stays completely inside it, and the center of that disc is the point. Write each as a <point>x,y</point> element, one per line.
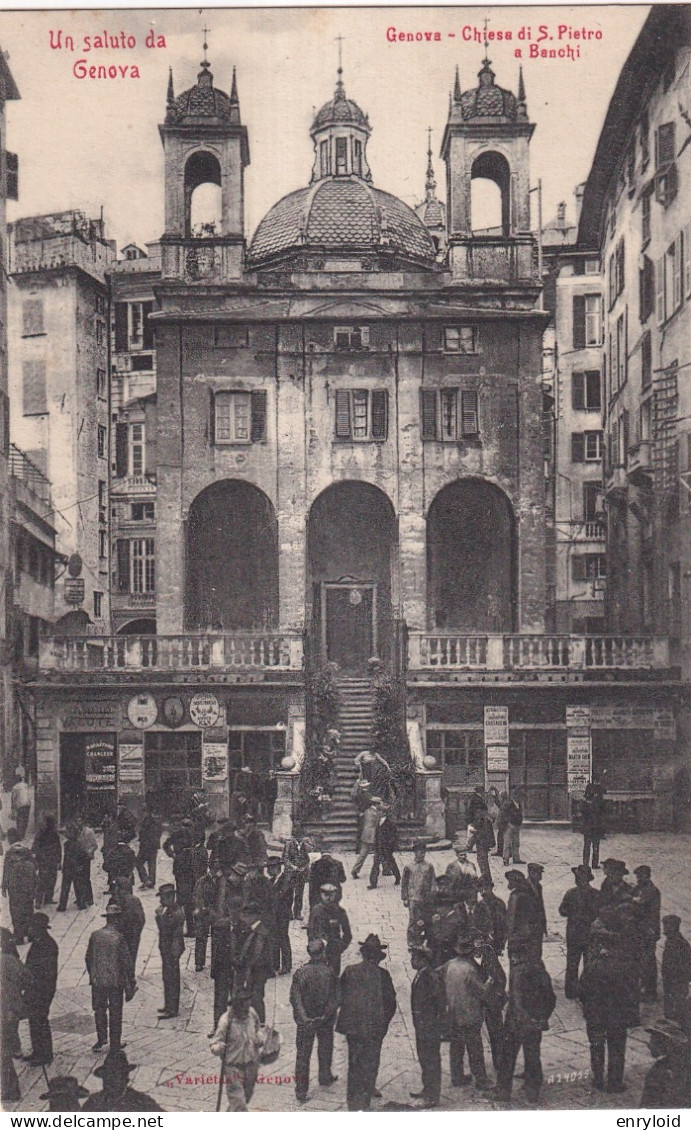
<point>616,481</point>
<point>248,651</point>
<point>639,467</point>
<point>494,259</point>
<point>430,651</point>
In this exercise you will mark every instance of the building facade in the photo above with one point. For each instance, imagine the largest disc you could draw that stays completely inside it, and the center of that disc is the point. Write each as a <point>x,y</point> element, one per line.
<point>349,464</point>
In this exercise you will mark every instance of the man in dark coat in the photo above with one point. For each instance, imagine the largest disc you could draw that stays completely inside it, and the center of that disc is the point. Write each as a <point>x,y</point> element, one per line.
<point>205,890</point>
<point>127,825</point>
<point>385,844</point>
<point>535,873</point>
<point>484,841</point>
<point>223,917</point>
<point>47,851</point>
<point>326,869</point>
<point>614,887</point>
<point>491,970</point>
<point>668,1082</point>
<point>111,976</point>
<point>119,862</point>
<point>296,860</point>
<point>180,849</point>
<point>646,901</point>
<point>169,920</point>
<point>281,910</point>
<point>256,841</point>
<point>368,1003</point>
<point>531,1003</point>
<point>19,885</point>
<point>428,1007</point>
<point>131,921</point>
<point>524,914</point>
<point>676,969</point>
<point>610,1007</point>
<point>315,997</point>
<point>42,963</point>
<point>511,819</point>
<point>200,855</point>
<point>117,1095</point>
<point>579,908</point>
<point>329,921</point>
<point>592,823</point>
<point>73,863</point>
<point>150,831</point>
<point>497,909</point>
<point>254,960</point>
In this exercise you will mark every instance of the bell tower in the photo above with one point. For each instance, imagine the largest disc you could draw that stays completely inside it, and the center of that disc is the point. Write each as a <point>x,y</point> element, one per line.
<point>206,152</point>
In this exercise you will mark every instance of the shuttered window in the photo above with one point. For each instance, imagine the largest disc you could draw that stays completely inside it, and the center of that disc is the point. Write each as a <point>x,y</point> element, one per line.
<point>450,414</point>
<point>238,417</point>
<point>121,327</point>
<point>665,148</point>
<point>361,414</point>
<point>586,391</point>
<point>121,449</point>
<point>34,402</point>
<point>586,447</point>
<point>660,289</point>
<point>429,413</point>
<point>123,554</point>
<point>579,320</point>
<point>32,317</point>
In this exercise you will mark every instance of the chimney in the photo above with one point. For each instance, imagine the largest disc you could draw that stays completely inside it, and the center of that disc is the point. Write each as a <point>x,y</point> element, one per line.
<point>561,215</point>
<point>578,193</point>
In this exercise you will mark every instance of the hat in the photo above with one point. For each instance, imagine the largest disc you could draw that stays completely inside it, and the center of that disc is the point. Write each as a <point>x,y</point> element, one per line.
<point>419,844</point>
<point>485,884</point>
<point>115,1061</point>
<point>373,944</point>
<point>330,887</point>
<point>583,872</point>
<point>536,867</point>
<point>615,865</point>
<point>669,1029</point>
<point>245,769</point>
<point>64,1087</point>
<point>376,800</point>
<point>166,889</point>
<point>465,944</point>
<point>240,868</point>
<point>424,950</point>
<point>316,946</point>
<point>41,920</point>
<point>673,919</point>
<point>112,910</point>
<point>513,873</point>
<point>273,859</point>
<point>643,871</point>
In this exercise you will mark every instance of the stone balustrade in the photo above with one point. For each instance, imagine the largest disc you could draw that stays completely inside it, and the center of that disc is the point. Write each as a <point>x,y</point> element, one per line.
<point>438,650</point>
<point>239,650</point>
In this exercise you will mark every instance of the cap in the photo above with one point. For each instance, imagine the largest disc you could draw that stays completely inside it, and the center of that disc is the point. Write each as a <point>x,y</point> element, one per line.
<point>583,872</point>
<point>424,950</point>
<point>112,910</point>
<point>673,919</point>
<point>273,859</point>
<point>40,919</point>
<point>115,1061</point>
<point>643,871</point>
<point>64,1087</point>
<point>240,868</point>
<point>329,887</point>
<point>166,889</point>
<point>669,1029</point>
<point>536,867</point>
<point>615,865</point>
<point>316,946</point>
<point>513,873</point>
<point>418,844</point>
<point>376,800</point>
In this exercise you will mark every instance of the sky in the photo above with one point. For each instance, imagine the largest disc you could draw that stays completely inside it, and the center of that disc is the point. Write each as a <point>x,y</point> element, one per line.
<point>92,143</point>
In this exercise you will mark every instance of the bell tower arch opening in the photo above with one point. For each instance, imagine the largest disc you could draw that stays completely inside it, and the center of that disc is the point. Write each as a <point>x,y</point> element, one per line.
<point>203,195</point>
<point>471,559</point>
<point>490,195</point>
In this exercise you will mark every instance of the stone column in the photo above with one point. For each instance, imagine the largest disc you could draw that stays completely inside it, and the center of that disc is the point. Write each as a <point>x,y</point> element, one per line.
<point>412,532</point>
<point>433,805</point>
<point>282,826</point>
<point>291,509</point>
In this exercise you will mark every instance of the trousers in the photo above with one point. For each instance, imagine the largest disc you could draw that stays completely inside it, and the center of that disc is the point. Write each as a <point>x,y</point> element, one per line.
<point>591,841</point>
<point>494,1023</point>
<point>108,1005</point>
<point>512,844</point>
<point>363,1067</point>
<point>648,967</point>
<point>387,859</point>
<point>170,969</point>
<point>298,895</point>
<point>483,862</point>
<point>146,866</point>
<point>201,942</point>
<point>365,850</point>
<point>223,982</point>
<point>613,1038</point>
<point>428,1048</point>
<point>466,1036</point>
<point>514,1039</point>
<point>282,952</point>
<point>305,1036</point>
<point>574,952</point>
<point>45,889</point>
<point>241,1079</point>
<point>41,1035</point>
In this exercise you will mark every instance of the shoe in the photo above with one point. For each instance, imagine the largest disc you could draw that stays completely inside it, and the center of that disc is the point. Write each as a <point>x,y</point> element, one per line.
<point>143,887</point>
<point>301,1098</point>
<point>483,1085</point>
<point>599,1084</point>
<point>376,1094</point>
<point>495,854</point>
<point>164,1009</point>
<point>98,1047</point>
<point>371,886</point>
<point>417,1094</point>
<point>464,1081</point>
<point>37,1062</point>
<point>329,1081</point>
<point>198,968</point>
<point>354,876</point>
<point>596,866</point>
<point>397,883</point>
<point>167,1015</point>
<point>49,902</point>
<point>517,861</point>
<point>501,1095</point>
<point>187,935</point>
<point>616,1088</point>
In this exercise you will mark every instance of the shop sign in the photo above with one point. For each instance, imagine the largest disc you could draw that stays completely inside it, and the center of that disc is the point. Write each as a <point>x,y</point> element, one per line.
<point>130,763</point>
<point>497,725</point>
<point>661,720</point>
<point>578,759</point>
<point>665,729</point>
<point>173,711</point>
<point>142,711</point>
<point>578,716</point>
<point>74,590</point>
<point>204,709</point>
<point>497,759</point>
<point>97,715</point>
<point>100,762</point>
<point>215,761</point>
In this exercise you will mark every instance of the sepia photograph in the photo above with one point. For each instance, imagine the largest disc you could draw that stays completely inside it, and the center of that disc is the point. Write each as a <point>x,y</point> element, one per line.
<point>345,560</point>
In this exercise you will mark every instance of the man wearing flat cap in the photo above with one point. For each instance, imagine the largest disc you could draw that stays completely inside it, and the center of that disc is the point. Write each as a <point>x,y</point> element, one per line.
<point>368,1005</point>
<point>428,1006</point>
<point>170,919</point>
<point>329,921</point>
<point>579,908</point>
<point>465,996</point>
<point>667,1084</point>
<point>42,963</point>
<point>117,1095</point>
<point>676,970</point>
<point>315,996</point>
<point>646,901</point>
<point>111,976</point>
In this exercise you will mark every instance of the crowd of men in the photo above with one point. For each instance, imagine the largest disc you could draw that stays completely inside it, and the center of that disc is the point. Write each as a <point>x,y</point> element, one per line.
<point>477,960</point>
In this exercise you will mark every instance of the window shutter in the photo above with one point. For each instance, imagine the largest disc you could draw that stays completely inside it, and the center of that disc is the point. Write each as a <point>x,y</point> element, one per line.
<point>429,413</point>
<point>121,341</point>
<point>342,414</point>
<point>147,308</point>
<point>686,251</point>
<point>120,450</point>
<point>665,146</point>
<point>34,388</point>
<point>11,176</point>
<point>123,546</point>
<point>469,413</point>
<point>578,390</point>
<point>212,417</point>
<point>579,321</point>
<point>32,316</point>
<point>380,399</point>
<point>258,426</point>
<point>577,447</point>
<point>660,289</point>
<point>578,568</point>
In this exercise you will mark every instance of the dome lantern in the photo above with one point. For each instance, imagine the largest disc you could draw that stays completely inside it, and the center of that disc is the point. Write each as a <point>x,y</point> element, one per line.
<point>340,131</point>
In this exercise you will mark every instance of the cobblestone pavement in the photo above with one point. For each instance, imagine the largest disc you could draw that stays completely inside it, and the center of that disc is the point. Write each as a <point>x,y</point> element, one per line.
<point>174,1063</point>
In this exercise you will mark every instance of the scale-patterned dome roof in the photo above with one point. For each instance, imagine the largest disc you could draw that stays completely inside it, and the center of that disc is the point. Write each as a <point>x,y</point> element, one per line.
<point>341,214</point>
<point>340,110</point>
<point>202,102</point>
<point>488,100</point>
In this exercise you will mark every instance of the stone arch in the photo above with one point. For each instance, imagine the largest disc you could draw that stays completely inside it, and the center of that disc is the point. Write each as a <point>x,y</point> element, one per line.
<point>231,581</point>
<point>142,626</point>
<point>490,189</point>
<point>203,194</point>
<point>471,559</point>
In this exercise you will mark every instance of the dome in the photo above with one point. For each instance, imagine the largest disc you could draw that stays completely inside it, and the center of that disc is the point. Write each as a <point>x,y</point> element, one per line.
<point>342,214</point>
<point>488,100</point>
<point>340,111</point>
<point>201,103</point>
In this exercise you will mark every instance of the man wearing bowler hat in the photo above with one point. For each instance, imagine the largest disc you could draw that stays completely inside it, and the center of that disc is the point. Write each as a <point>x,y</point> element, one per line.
<point>315,996</point>
<point>368,1003</point>
<point>42,963</point>
<point>111,976</point>
<point>579,908</point>
<point>117,1095</point>
<point>614,888</point>
<point>170,919</point>
<point>427,1005</point>
<point>646,901</point>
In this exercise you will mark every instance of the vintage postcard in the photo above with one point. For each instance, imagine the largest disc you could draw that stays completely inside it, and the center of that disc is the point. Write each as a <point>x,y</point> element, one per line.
<point>345,546</point>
